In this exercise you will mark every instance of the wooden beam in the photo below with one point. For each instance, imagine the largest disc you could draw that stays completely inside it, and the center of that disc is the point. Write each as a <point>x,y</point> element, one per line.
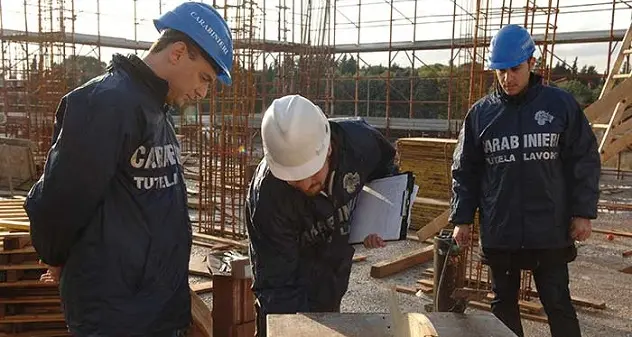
<point>202,317</point>
<point>235,243</point>
<point>617,146</point>
<point>15,225</point>
<point>202,287</point>
<point>599,112</point>
<point>614,120</point>
<point>618,62</point>
<point>588,303</point>
<point>613,232</point>
<point>434,226</point>
<point>406,290</point>
<point>402,262</point>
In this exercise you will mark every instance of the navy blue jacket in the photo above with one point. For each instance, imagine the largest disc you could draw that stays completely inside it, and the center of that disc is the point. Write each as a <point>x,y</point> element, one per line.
<point>299,245</point>
<point>111,207</point>
<point>528,163</point>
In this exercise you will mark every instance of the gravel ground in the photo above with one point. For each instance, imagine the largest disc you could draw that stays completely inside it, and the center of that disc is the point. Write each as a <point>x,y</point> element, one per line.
<point>594,276</point>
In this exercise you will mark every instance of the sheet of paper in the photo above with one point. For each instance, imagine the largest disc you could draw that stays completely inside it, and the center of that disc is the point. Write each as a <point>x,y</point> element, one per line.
<point>380,208</point>
<point>413,196</point>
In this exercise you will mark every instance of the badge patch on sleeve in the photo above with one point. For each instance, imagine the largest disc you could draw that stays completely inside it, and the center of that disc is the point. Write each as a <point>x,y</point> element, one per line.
<point>351,181</point>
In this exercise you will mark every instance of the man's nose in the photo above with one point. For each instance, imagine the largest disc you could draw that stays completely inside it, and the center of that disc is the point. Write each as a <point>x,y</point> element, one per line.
<point>304,184</point>
<point>202,91</point>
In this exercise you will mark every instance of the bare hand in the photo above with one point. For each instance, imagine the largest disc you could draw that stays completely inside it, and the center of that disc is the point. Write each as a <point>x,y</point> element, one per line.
<point>373,241</point>
<point>581,229</point>
<point>462,235</point>
<point>53,274</point>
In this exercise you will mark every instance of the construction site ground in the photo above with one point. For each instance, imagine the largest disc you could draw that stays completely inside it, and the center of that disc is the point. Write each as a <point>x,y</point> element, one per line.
<point>594,276</point>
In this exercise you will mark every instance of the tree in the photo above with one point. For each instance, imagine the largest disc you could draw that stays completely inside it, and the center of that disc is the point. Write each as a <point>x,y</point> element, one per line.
<point>80,69</point>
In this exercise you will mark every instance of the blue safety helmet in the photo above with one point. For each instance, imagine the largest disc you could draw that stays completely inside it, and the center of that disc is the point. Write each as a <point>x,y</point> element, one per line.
<point>204,25</point>
<point>511,46</point>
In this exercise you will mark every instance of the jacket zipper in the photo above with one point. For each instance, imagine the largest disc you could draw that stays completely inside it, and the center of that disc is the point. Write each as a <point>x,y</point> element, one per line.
<point>520,175</point>
<point>182,180</point>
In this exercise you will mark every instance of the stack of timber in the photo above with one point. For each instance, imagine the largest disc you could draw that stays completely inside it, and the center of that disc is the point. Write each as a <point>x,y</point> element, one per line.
<point>28,306</point>
<point>430,160</point>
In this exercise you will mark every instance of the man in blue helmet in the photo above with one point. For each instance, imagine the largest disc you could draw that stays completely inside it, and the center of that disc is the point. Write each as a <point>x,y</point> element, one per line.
<point>527,160</point>
<point>109,214</point>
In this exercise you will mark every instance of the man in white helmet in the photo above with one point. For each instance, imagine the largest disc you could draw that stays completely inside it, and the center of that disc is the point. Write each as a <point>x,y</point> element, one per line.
<point>299,204</point>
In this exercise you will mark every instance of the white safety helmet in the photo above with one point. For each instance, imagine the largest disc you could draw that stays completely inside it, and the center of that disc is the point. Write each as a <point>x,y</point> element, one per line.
<point>296,136</point>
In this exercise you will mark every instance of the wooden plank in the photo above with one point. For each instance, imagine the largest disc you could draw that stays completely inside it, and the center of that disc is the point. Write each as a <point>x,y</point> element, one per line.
<point>626,270</point>
<point>618,62</point>
<point>627,253</point>
<point>613,232</point>
<point>620,144</point>
<point>430,201</point>
<point>25,250</point>
<point>202,287</point>
<point>235,243</point>
<point>469,294</point>
<point>29,284</point>
<point>599,112</point>
<point>11,208</point>
<point>11,235</point>
<point>402,262</point>
<point>445,324</point>
<point>39,333</point>
<point>25,266</point>
<point>30,299</point>
<point>425,289</point>
<point>434,226</point>
<point>32,318</point>
<point>198,267</point>
<point>13,202</point>
<point>15,225</point>
<point>328,324</point>
<point>406,290</point>
<point>588,303</point>
<point>359,258</point>
<point>615,118</point>
<point>202,317</point>
<point>11,213</point>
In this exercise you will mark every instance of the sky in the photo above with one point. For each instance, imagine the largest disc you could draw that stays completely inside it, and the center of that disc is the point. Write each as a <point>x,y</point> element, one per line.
<point>433,21</point>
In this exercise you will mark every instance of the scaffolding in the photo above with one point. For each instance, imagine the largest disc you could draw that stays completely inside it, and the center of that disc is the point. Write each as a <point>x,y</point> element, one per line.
<point>368,58</point>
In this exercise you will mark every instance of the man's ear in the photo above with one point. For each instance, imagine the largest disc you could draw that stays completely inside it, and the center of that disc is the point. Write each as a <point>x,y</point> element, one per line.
<point>532,63</point>
<point>177,51</point>
<point>329,151</point>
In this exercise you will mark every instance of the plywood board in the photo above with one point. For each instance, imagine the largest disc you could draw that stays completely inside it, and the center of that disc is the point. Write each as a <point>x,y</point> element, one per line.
<point>381,325</point>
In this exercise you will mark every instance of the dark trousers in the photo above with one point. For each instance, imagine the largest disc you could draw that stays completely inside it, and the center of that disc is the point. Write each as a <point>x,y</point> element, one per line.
<point>552,284</point>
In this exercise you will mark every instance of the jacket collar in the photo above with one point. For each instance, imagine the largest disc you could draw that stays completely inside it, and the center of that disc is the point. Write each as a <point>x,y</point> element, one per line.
<point>527,94</point>
<point>138,70</point>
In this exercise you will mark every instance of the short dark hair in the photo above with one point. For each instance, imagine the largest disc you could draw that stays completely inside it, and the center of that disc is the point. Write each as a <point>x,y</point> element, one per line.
<point>170,36</point>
